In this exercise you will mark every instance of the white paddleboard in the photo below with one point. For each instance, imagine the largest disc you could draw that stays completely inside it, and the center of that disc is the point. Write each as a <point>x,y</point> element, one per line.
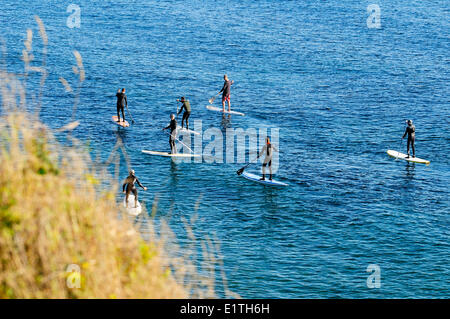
<point>213,108</point>
<point>121,123</point>
<point>170,155</point>
<point>185,130</point>
<point>131,209</point>
<point>405,157</point>
<point>256,178</point>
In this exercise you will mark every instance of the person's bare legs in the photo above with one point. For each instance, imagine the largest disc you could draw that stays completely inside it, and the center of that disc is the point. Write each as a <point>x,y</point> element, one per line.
<point>223,106</point>
<point>126,200</point>
<point>229,106</point>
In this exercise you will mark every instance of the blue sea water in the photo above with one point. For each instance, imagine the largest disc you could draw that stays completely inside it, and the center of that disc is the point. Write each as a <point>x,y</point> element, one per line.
<point>339,92</point>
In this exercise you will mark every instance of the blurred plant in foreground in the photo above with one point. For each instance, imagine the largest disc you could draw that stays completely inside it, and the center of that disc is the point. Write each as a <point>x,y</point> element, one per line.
<point>58,212</point>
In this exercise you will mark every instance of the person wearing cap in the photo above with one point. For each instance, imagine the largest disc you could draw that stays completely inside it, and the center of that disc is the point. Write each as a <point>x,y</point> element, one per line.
<point>226,93</point>
<point>173,127</point>
<point>129,187</point>
<point>411,132</point>
<point>187,111</point>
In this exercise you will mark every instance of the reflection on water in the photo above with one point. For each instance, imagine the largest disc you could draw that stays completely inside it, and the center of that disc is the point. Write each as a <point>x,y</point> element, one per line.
<point>173,172</point>
<point>226,121</point>
<point>410,170</point>
<point>271,200</point>
<point>122,133</point>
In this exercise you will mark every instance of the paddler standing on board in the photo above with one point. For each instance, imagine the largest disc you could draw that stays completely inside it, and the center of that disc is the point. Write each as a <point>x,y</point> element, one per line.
<point>226,93</point>
<point>411,132</point>
<point>267,150</point>
<point>186,106</point>
<point>129,187</point>
<point>173,127</point>
<point>121,101</point>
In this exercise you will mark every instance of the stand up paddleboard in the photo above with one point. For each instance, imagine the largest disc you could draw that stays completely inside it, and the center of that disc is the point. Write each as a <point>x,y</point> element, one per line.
<point>121,123</point>
<point>134,211</point>
<point>170,155</point>
<point>405,157</point>
<point>256,178</point>
<point>185,130</point>
<point>216,109</point>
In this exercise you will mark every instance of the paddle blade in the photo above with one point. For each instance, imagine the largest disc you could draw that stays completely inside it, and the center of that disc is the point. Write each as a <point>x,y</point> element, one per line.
<point>211,100</point>
<point>240,171</point>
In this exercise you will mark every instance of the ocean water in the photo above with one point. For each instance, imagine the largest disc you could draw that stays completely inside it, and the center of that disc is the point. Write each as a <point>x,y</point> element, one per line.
<point>338,91</point>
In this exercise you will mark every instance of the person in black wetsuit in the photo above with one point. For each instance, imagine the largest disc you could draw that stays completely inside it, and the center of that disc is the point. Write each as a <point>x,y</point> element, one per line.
<point>226,92</point>
<point>187,111</point>
<point>173,127</point>
<point>129,187</point>
<point>411,132</point>
<point>119,104</point>
<point>121,101</point>
<point>267,150</point>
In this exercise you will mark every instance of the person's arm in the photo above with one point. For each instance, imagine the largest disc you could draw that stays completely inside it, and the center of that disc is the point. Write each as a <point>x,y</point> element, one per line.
<point>406,132</point>
<point>123,186</point>
<point>223,88</point>
<point>262,151</point>
<point>166,127</point>
<point>181,109</point>
<point>140,185</point>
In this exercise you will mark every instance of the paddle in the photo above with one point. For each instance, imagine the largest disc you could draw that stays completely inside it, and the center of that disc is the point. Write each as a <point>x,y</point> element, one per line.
<point>211,100</point>
<point>401,145</point>
<point>181,143</point>
<point>241,170</point>
<point>132,121</point>
<point>398,152</point>
<point>177,108</point>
